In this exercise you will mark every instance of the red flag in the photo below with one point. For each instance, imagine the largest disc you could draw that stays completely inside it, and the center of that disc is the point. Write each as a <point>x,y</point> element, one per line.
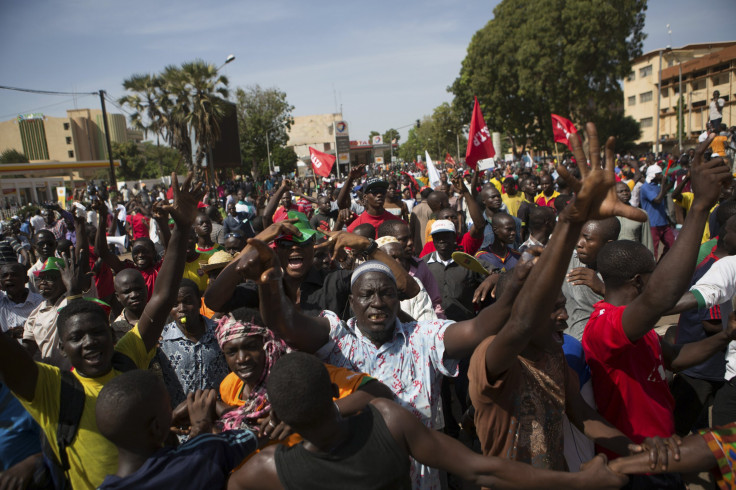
<point>449,160</point>
<point>562,129</point>
<point>321,162</point>
<point>480,146</point>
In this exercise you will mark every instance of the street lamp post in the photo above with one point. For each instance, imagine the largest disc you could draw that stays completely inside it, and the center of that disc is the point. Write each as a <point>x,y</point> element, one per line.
<point>457,137</point>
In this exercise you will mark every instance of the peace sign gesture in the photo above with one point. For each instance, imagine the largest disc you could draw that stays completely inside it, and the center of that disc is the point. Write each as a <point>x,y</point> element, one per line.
<point>596,193</point>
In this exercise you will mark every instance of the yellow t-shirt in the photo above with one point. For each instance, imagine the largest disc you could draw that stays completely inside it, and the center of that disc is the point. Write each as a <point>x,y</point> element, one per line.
<point>513,203</point>
<point>91,456</point>
<point>193,270</point>
<point>685,203</point>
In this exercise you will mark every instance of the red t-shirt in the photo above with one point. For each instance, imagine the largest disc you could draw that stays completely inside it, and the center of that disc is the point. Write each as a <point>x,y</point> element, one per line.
<point>373,220</point>
<point>103,280</point>
<point>139,225</point>
<point>629,381</point>
<point>282,213</point>
<point>465,243</point>
<point>149,275</point>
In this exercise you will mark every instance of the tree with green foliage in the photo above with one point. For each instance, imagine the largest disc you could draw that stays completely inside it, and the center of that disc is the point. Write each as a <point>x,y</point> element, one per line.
<point>144,161</point>
<point>13,156</point>
<point>181,101</point>
<point>437,134</point>
<point>285,158</point>
<point>264,120</point>
<point>537,57</point>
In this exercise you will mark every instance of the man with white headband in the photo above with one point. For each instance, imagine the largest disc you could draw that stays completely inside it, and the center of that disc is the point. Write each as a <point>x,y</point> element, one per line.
<point>653,194</point>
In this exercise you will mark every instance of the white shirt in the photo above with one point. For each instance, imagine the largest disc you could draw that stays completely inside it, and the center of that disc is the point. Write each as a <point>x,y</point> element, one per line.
<point>718,287</point>
<point>714,112</point>
<point>37,222</point>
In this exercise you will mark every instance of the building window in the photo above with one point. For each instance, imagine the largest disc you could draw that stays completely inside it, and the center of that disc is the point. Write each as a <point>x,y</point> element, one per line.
<point>664,92</point>
<point>70,153</point>
<point>327,147</point>
<point>720,79</point>
<point>646,122</point>
<point>632,100</point>
<point>68,140</point>
<point>645,97</point>
<point>632,76</point>
<point>698,85</point>
<point>66,126</point>
<point>645,72</point>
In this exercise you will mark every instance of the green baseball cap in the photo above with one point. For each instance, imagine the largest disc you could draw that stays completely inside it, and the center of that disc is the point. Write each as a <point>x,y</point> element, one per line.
<point>304,227</point>
<point>51,264</point>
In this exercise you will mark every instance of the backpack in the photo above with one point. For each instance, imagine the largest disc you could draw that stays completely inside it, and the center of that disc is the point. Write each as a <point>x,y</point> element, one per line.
<point>52,472</point>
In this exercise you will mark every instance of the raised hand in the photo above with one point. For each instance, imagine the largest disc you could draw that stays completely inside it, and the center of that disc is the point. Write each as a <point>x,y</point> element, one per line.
<point>256,259</point>
<point>707,178</point>
<point>356,172</point>
<point>275,230</point>
<point>596,193</point>
<point>99,206</point>
<point>341,239</point>
<point>158,212</point>
<point>75,272</point>
<point>184,209</point>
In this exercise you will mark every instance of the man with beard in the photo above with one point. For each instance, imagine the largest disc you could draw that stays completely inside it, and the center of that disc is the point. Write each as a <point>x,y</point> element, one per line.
<point>411,358</point>
<point>312,289</point>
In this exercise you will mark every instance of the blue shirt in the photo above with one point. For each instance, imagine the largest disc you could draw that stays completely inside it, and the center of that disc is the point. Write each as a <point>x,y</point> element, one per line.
<point>203,462</point>
<point>188,366</point>
<point>575,357</point>
<point>489,236</point>
<point>20,435</point>
<point>657,212</point>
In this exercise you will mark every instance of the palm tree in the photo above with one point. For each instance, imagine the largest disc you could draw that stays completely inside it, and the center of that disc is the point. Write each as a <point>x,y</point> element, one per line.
<point>208,92</point>
<point>145,100</point>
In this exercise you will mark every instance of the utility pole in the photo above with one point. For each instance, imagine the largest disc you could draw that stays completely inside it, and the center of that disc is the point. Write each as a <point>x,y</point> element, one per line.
<point>113,182</point>
<point>659,94</point>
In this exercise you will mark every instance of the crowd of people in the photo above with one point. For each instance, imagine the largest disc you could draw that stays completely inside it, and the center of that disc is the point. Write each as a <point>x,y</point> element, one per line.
<point>502,327</point>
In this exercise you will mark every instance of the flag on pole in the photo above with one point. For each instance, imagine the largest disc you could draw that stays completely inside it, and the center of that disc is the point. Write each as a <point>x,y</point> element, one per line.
<point>432,173</point>
<point>449,160</point>
<point>562,129</point>
<point>321,162</point>
<point>480,145</point>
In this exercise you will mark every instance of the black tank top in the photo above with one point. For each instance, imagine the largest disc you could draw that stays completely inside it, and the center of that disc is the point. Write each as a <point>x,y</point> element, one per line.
<point>370,459</point>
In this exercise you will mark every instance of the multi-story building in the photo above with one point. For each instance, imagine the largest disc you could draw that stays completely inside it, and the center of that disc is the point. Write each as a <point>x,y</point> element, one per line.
<point>76,138</point>
<point>705,67</point>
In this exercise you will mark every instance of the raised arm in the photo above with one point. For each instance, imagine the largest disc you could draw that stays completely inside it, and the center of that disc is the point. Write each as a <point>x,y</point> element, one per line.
<point>184,211</point>
<point>596,199</point>
<point>476,214</point>
<point>101,248</point>
<point>273,203</point>
<point>672,275</point>
<point>161,217</point>
<point>221,290</point>
<point>343,197</point>
<point>406,284</point>
<point>679,357</point>
<point>259,263</point>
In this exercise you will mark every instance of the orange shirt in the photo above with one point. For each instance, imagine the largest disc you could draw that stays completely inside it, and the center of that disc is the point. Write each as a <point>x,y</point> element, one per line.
<point>347,381</point>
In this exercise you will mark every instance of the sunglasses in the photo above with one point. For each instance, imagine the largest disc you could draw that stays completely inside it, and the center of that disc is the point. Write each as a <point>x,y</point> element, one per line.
<point>233,235</point>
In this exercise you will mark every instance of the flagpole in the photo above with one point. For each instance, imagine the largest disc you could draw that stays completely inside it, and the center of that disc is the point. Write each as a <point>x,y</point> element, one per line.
<point>557,154</point>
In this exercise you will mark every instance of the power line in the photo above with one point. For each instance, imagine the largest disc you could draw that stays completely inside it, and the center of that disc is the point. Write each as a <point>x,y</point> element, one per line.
<point>45,92</point>
<point>113,102</point>
<point>39,108</point>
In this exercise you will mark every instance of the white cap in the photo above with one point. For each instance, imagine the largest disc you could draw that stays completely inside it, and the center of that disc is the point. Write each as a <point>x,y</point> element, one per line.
<point>652,171</point>
<point>442,225</point>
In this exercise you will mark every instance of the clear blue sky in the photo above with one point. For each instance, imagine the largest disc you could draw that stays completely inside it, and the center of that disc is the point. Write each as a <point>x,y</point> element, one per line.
<point>386,62</point>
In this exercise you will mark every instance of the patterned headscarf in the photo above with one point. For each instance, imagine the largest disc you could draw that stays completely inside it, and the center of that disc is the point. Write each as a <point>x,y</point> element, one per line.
<point>257,405</point>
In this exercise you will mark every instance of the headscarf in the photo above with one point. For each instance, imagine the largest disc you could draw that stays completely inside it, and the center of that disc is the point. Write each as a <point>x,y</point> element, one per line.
<point>256,406</point>
<point>652,171</point>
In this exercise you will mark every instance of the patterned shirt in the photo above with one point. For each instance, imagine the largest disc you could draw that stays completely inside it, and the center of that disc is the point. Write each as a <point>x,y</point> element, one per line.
<point>15,314</point>
<point>187,366</point>
<point>411,365</point>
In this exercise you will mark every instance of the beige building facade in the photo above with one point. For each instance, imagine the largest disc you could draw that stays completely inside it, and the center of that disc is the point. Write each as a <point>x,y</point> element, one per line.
<point>705,67</point>
<point>317,131</point>
<point>78,137</point>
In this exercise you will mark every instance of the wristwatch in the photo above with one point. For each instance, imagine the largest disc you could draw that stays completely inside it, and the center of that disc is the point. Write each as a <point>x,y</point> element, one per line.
<point>371,248</point>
